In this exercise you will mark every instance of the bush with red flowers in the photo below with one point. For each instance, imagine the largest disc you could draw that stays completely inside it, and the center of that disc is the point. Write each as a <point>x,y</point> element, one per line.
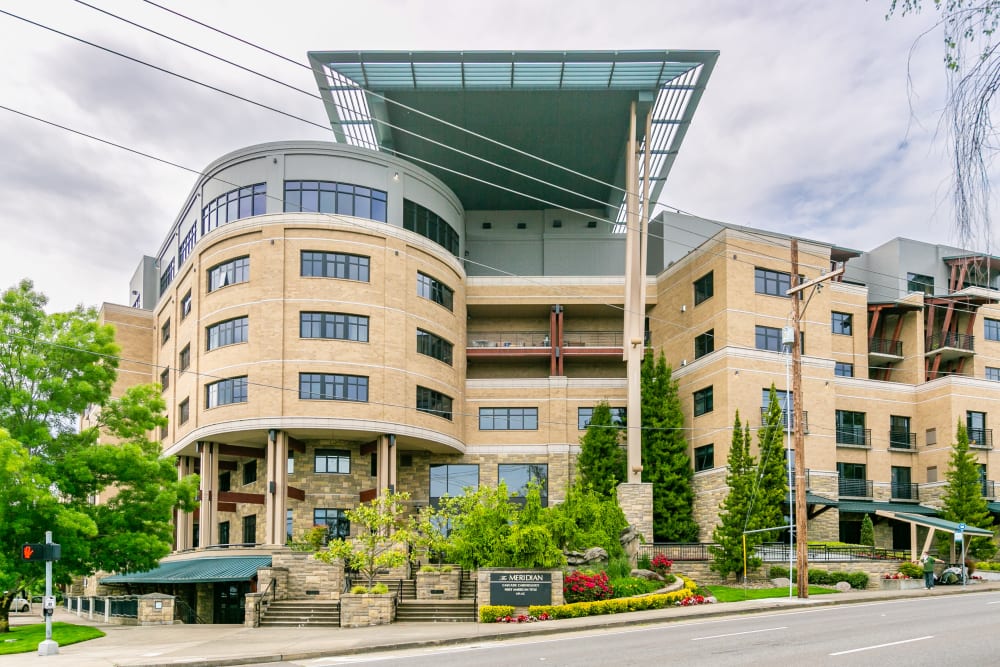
<point>661,564</point>
<point>692,601</point>
<point>583,587</point>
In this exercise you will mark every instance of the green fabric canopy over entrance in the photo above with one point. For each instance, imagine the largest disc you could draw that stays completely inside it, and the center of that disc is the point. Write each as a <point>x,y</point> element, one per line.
<point>196,571</point>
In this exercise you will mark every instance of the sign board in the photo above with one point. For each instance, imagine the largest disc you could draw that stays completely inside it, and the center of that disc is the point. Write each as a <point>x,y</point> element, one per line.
<point>520,588</point>
<point>961,527</point>
<point>958,536</point>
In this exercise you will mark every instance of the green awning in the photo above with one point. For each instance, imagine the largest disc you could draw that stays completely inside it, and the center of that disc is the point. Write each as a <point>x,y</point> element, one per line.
<point>870,507</point>
<point>812,499</point>
<point>995,507</point>
<point>935,523</point>
<point>196,571</point>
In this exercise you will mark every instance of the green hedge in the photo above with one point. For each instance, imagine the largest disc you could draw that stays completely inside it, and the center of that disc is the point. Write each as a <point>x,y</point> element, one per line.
<point>857,580</point>
<point>616,605</point>
<point>490,613</point>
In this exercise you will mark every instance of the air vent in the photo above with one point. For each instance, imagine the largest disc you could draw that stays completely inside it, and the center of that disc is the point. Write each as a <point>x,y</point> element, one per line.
<point>592,224</point>
<point>487,225</point>
<point>522,225</point>
<point>557,223</point>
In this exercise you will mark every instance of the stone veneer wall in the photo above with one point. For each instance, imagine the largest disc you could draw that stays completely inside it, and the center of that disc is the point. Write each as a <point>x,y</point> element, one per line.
<point>307,578</point>
<point>636,501</point>
<point>439,585</point>
<point>710,491</point>
<point>149,614</point>
<point>360,611</point>
<point>701,573</point>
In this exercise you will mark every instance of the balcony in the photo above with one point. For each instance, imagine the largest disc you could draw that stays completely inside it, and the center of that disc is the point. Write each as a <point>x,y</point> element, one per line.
<point>854,436</point>
<point>506,344</point>
<point>981,438</point>
<point>884,347</point>
<point>989,488</point>
<point>789,417</point>
<point>902,441</point>
<point>950,345</point>
<point>592,343</point>
<point>854,488</point>
<point>808,481</point>
<point>905,491</point>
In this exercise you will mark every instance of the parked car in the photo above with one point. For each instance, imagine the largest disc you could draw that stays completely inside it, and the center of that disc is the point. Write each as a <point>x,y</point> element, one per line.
<point>20,604</point>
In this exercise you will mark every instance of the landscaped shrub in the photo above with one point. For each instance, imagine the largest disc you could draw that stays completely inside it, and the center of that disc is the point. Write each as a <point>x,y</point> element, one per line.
<point>579,609</point>
<point>583,587</point>
<point>490,613</point>
<point>988,565</point>
<point>661,564</point>
<point>857,580</point>
<point>619,568</point>
<point>911,569</point>
<point>359,589</point>
<point>778,572</point>
<point>628,586</point>
<point>379,589</point>
<point>644,563</point>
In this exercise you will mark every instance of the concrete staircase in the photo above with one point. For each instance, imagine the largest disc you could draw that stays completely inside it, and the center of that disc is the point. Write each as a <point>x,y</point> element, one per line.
<point>302,614</point>
<point>436,611</point>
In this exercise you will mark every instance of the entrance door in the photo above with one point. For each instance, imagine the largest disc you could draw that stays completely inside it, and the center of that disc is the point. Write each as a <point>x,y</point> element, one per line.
<point>230,601</point>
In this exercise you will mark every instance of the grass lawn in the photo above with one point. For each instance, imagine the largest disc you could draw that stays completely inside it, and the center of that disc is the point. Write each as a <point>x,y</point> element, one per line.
<point>25,638</point>
<point>736,594</point>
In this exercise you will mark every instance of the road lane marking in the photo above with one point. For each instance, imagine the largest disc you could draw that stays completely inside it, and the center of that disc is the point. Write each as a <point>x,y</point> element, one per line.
<point>997,602</point>
<point>737,634</point>
<point>869,648</point>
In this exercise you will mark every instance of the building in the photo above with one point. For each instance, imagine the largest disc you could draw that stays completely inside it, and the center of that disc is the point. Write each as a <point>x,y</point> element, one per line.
<point>421,308</point>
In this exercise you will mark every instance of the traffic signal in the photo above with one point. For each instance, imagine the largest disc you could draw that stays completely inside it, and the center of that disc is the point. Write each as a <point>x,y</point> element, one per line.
<point>41,552</point>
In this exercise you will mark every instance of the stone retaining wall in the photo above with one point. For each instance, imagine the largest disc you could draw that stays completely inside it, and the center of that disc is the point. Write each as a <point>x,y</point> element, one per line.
<point>360,611</point>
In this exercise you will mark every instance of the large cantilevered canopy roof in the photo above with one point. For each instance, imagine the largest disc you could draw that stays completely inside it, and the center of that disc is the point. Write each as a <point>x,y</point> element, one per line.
<point>569,108</point>
<point>195,571</point>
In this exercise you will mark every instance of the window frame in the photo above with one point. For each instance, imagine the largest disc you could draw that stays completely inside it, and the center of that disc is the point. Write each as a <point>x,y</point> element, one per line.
<point>228,391</point>
<point>249,529</point>
<point>704,344</point>
<point>335,265</point>
<point>768,333</point>
<point>342,386</point>
<point>584,415</point>
<point>704,400</point>
<point>235,271</point>
<point>333,323</point>
<point>522,490</point>
<point>431,345</point>
<point>331,199</point>
<point>338,526</point>
<point>184,411</point>
<point>340,457</point>
<point>449,489</point>
<point>991,329</point>
<point>769,282</point>
<point>507,419</point>
<point>427,397</point>
<point>184,358</point>
<point>841,324</point>
<point>437,291</point>
<point>228,328</point>
<point>165,332</point>
<point>838,366</point>
<point>249,472</point>
<point>704,288</point>
<point>186,303</point>
<point>701,454</point>
<point>993,373</point>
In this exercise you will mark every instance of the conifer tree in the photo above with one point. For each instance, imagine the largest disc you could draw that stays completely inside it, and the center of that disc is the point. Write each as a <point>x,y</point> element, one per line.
<point>963,499</point>
<point>867,531</point>
<point>736,515</point>
<point>602,460</point>
<point>772,473</point>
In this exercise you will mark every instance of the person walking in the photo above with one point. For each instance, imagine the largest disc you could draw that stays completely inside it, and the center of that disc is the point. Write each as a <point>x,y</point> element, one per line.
<point>928,562</point>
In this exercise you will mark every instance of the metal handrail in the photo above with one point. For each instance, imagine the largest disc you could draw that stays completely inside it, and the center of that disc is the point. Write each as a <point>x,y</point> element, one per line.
<point>180,605</point>
<point>905,491</point>
<point>951,339</point>
<point>855,488</point>
<point>773,551</point>
<point>885,346</point>
<point>899,439</point>
<point>981,438</point>
<point>270,590</point>
<point>854,436</point>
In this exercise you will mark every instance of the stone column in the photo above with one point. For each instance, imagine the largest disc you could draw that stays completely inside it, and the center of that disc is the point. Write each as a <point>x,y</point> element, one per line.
<point>386,463</point>
<point>208,533</point>
<point>636,501</point>
<point>276,491</point>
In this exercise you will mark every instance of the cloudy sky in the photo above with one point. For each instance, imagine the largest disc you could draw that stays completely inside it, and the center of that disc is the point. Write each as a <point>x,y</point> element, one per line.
<point>820,120</point>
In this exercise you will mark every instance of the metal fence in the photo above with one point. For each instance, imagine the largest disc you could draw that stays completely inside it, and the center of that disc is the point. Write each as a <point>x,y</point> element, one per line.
<point>773,552</point>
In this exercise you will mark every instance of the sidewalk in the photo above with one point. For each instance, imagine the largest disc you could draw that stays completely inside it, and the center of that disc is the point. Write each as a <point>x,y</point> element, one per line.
<point>210,645</point>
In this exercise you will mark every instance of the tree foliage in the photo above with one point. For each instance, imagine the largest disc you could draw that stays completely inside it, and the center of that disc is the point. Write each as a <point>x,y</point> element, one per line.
<point>602,460</point>
<point>867,531</point>
<point>54,367</point>
<point>963,500</point>
<point>772,472</point>
<point>737,513</point>
<point>587,519</point>
<point>665,460</point>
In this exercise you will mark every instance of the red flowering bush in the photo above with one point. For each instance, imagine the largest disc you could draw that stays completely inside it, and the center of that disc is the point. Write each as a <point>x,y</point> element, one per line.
<point>522,618</point>
<point>896,575</point>
<point>582,587</point>
<point>692,600</point>
<point>661,564</point>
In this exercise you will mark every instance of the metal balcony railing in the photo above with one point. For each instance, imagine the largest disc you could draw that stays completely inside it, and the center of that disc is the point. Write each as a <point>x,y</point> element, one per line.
<point>854,436</point>
<point>902,440</point>
<point>951,339</point>
<point>885,346</point>
<point>981,438</point>
<point>989,488</point>
<point>905,491</point>
<point>854,488</point>
<point>573,338</point>
<point>808,481</point>
<point>509,339</point>
<point>790,417</point>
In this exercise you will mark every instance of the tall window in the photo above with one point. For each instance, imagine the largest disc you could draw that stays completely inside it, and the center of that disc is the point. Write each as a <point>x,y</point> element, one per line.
<point>840,323</point>
<point>225,481</point>
<point>184,358</point>
<point>186,305</point>
<point>703,401</point>
<point>704,288</point>
<point>993,373</point>
<point>991,329</point>
<point>235,204</point>
<point>774,283</point>
<point>434,402</point>
<point>165,378</point>
<point>508,419</point>
<point>853,480</point>
<point>167,277</point>
<point>335,520</point>
<point>434,346</point>
<point>333,461</point>
<point>851,428</point>
<point>583,416</point>
<point>429,224</point>
<point>916,282</point>
<point>518,477</point>
<point>333,387</point>
<point>187,245</point>
<point>843,369</point>
<point>226,392</point>
<point>165,332</point>
<point>340,326</point>
<point>229,273</point>
<point>184,411</point>
<point>451,479</point>
<point>975,423</point>
<point>316,264</point>
<point>900,480</point>
<point>249,472</point>
<point>339,198</point>
<point>899,432</point>
<point>704,457</point>
<point>250,529</point>
<point>767,338</point>
<point>228,332</point>
<point>435,290</point>
<point>289,524</point>
<point>704,344</point>
<point>224,532</point>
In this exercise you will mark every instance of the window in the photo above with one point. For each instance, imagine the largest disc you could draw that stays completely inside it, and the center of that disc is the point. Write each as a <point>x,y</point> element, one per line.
<point>226,392</point>
<point>775,283</point>
<point>931,474</point>
<point>918,283</point>
<point>451,479</point>
<point>900,436</point>
<point>975,423</point>
<point>333,387</point>
<point>435,290</point>
<point>184,358</point>
<point>184,411</point>
<point>339,326</point>
<point>508,419</point>
<point>165,378</point>
<point>333,461</point>
<point>235,204</point>
<point>434,346</point>
<point>767,338</point>
<point>704,344</point>
<point>900,483</point>
<point>167,277</point>
<point>249,472</point>
<point>433,402</point>
<point>165,332</point>
<point>583,416</point>
<point>228,332</point>
<point>225,481</point>
<point>187,245</point>
<point>339,198</point>
<point>186,305</point>
<point>993,374</point>
<point>229,273</point>
<point>250,529</point>
<point>930,436</point>
<point>518,477</point>
<point>840,323</point>
<point>704,288</point>
<point>851,428</point>
<point>703,401</point>
<point>335,520</point>
<point>991,329</point>
<point>844,370</point>
<point>429,224</point>
<point>704,457</point>
<point>289,523</point>
<point>853,480</point>
<point>373,465</point>
<point>224,532</point>
<point>341,265</point>
<point>291,463</point>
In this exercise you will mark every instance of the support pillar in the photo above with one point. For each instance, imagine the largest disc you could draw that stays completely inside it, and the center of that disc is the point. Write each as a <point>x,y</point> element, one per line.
<point>208,534</point>
<point>184,521</point>
<point>385,462</point>
<point>276,489</point>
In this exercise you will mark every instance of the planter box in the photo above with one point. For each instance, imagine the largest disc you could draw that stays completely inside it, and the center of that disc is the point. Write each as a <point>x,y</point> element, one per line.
<point>902,584</point>
<point>359,611</point>
<point>439,585</point>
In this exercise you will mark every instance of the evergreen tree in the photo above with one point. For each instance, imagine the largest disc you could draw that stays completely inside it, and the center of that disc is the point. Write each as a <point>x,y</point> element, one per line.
<point>736,515</point>
<point>602,460</point>
<point>772,472</point>
<point>665,460</point>
<point>963,499</point>
<point>867,531</point>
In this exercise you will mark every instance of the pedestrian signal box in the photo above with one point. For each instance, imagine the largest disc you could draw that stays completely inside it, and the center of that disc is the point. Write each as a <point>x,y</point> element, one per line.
<point>42,552</point>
